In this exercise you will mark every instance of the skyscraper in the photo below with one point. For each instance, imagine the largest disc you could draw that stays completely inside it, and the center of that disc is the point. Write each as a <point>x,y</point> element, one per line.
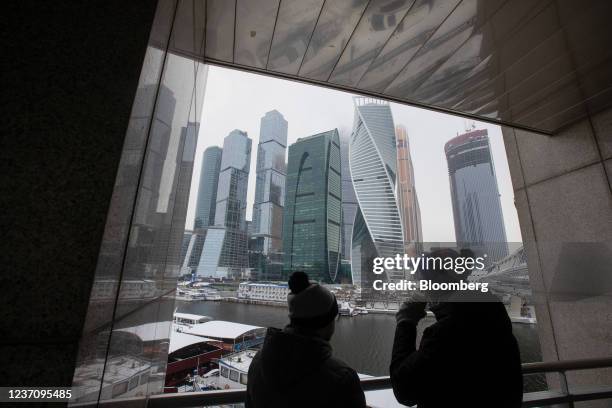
<point>179,200</point>
<point>311,223</point>
<point>224,252</point>
<point>205,206</point>
<point>185,245</point>
<point>479,222</point>
<point>377,231</point>
<point>265,247</point>
<point>407,200</point>
<point>207,187</point>
<point>152,220</point>
<point>349,211</point>
<point>218,248</point>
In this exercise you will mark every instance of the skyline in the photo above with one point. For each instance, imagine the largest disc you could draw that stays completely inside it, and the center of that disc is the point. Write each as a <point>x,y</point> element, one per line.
<point>238,100</point>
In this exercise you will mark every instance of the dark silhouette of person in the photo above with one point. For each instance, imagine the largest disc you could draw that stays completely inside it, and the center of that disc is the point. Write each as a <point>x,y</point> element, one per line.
<point>295,367</point>
<point>467,358</point>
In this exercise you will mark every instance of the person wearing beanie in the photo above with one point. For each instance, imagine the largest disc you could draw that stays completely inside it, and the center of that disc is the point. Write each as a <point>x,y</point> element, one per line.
<point>295,367</point>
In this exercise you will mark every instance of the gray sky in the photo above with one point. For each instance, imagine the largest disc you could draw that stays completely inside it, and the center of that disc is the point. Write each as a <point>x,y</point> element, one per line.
<point>238,100</point>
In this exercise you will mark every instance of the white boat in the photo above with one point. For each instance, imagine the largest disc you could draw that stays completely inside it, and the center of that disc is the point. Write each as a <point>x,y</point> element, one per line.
<point>232,372</point>
<point>361,310</point>
<point>347,310</point>
<point>200,293</point>
<point>212,294</point>
<point>189,319</point>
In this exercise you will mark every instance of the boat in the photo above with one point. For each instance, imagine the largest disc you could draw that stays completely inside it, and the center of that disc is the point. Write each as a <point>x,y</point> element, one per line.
<point>189,354</point>
<point>212,294</point>
<point>232,373</point>
<point>199,293</point>
<point>199,344</point>
<point>347,310</point>
<point>361,310</point>
<point>189,295</point>
<point>189,319</point>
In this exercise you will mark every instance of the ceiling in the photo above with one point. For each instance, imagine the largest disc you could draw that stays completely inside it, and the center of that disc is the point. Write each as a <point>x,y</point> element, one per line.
<point>534,64</point>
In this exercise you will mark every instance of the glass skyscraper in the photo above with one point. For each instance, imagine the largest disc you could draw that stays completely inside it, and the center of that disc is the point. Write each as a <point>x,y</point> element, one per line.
<point>230,213</point>
<point>377,231</point>
<point>265,246</point>
<point>349,212</point>
<point>207,188</point>
<point>205,206</point>
<point>408,201</point>
<point>479,223</point>
<point>224,252</point>
<point>312,219</point>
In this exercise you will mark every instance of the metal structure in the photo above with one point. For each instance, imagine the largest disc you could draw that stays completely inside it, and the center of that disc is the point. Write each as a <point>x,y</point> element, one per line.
<point>534,399</point>
<point>537,65</point>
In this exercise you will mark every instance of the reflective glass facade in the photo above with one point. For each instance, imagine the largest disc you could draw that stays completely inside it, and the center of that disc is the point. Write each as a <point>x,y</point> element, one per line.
<point>207,189</point>
<point>407,197</point>
<point>477,212</point>
<point>231,207</point>
<point>349,210</point>
<point>373,164</point>
<point>312,219</point>
<point>463,48</point>
<point>123,348</point>
<point>266,239</point>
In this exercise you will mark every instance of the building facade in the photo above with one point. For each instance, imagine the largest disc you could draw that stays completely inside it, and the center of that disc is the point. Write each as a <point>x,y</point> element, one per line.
<point>479,222</point>
<point>224,249</point>
<point>207,187</point>
<point>269,292</point>
<point>205,206</point>
<point>265,244</point>
<point>407,200</point>
<point>231,204</point>
<point>349,212</point>
<point>377,231</point>
<point>312,218</point>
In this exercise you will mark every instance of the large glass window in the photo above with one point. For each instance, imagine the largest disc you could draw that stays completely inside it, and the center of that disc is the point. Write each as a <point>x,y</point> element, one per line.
<point>359,178</point>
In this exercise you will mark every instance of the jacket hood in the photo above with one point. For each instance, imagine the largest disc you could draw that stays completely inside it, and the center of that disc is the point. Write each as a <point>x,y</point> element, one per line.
<point>287,356</point>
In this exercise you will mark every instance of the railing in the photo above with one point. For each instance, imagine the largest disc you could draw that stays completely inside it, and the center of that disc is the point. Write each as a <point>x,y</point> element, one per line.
<point>532,399</point>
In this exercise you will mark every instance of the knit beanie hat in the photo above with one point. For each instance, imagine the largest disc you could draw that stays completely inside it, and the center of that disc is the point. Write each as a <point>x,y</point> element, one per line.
<point>310,304</point>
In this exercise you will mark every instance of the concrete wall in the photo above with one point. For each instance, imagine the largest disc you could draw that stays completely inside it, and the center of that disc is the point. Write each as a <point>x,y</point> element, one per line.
<point>562,186</point>
<point>70,73</point>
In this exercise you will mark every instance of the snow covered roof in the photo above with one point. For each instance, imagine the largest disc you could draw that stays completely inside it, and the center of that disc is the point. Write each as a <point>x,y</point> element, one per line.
<point>220,329</point>
<point>179,340</point>
<point>189,316</point>
<point>149,331</point>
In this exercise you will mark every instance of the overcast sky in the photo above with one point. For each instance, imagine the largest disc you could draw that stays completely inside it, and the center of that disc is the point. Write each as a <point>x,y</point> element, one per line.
<point>238,100</point>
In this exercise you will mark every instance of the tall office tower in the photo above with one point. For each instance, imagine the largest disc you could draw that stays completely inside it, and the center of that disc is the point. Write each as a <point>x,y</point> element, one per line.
<point>205,206</point>
<point>185,245</point>
<point>311,223</point>
<point>479,222</point>
<point>180,199</point>
<point>150,225</point>
<point>265,246</point>
<point>377,231</point>
<point>224,254</point>
<point>407,199</point>
<point>207,187</point>
<point>349,211</point>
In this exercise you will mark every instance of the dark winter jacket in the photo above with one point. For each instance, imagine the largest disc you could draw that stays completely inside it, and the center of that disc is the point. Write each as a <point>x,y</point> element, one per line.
<point>468,358</point>
<point>294,370</point>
